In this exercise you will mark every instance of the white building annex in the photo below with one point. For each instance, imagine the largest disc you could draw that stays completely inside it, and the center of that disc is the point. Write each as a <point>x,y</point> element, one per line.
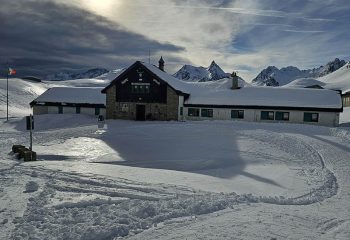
<point>70,100</point>
<point>266,104</point>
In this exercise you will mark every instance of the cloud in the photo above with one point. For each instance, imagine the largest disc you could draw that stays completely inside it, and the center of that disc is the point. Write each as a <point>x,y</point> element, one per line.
<point>40,36</point>
<point>298,41</point>
<point>249,34</point>
<point>245,35</point>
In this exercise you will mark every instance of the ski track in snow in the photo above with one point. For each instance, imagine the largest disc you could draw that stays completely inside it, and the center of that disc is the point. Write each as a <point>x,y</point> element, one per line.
<point>71,205</point>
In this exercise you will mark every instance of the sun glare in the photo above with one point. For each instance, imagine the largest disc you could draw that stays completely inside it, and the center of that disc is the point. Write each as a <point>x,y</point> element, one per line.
<point>102,7</point>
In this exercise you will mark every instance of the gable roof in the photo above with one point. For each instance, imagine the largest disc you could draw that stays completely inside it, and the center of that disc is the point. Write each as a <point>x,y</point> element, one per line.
<point>176,84</point>
<point>72,95</point>
<point>268,97</point>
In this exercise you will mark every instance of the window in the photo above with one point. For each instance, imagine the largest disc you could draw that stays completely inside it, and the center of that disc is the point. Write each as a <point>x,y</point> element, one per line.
<point>60,109</point>
<point>237,114</point>
<point>140,88</point>
<point>310,117</point>
<point>124,107</point>
<point>193,112</point>
<point>282,116</point>
<point>77,110</point>
<point>181,111</point>
<point>97,111</point>
<point>207,113</point>
<point>267,115</point>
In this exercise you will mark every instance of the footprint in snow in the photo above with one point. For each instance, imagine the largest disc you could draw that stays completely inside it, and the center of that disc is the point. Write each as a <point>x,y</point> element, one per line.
<point>31,187</point>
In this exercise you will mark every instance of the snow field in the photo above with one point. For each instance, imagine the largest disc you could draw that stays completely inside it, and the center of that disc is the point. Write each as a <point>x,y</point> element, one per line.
<point>118,181</point>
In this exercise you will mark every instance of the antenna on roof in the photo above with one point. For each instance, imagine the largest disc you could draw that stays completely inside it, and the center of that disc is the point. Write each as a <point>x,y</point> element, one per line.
<point>149,56</point>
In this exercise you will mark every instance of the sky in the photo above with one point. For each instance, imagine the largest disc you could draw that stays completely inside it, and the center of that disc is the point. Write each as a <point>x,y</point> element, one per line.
<point>39,37</point>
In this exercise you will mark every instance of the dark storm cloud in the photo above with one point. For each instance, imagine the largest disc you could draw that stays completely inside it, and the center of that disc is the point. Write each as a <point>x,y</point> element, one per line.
<point>39,37</point>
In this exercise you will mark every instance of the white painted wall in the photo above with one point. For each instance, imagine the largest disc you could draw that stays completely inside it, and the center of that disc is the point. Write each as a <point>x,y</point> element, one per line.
<point>69,110</point>
<point>52,110</point>
<point>254,115</point>
<point>87,111</point>
<point>38,110</point>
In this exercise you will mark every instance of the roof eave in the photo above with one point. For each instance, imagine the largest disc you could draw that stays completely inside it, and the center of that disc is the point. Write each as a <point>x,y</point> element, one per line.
<point>265,107</point>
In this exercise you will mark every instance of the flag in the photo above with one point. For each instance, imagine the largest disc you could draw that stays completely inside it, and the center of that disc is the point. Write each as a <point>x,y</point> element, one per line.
<point>12,71</point>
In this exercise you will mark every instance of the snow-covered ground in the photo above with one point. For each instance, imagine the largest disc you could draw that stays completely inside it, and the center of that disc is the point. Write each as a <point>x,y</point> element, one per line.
<point>167,180</point>
<point>172,180</point>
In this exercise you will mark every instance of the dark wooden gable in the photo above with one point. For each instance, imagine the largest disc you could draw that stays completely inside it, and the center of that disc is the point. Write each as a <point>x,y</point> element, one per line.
<point>139,75</point>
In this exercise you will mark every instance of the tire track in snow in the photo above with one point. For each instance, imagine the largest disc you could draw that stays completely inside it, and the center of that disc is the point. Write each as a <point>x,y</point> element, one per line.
<point>118,218</point>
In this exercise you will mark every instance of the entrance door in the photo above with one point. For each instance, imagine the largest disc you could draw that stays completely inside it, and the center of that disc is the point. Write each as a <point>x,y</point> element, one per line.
<point>140,112</point>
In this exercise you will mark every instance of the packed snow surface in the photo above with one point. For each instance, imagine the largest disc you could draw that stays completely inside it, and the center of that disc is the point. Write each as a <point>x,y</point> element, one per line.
<point>167,180</point>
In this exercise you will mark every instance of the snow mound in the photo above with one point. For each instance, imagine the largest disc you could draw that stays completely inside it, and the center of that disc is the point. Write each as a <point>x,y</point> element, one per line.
<point>111,75</point>
<point>304,82</point>
<point>21,93</point>
<point>225,83</point>
<point>339,80</point>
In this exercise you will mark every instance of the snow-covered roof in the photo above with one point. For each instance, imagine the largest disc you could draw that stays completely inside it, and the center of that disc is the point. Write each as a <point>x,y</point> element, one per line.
<point>75,95</point>
<point>171,80</point>
<point>268,97</point>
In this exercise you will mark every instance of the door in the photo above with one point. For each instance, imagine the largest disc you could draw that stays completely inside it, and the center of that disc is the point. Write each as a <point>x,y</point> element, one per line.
<point>140,112</point>
<point>60,109</point>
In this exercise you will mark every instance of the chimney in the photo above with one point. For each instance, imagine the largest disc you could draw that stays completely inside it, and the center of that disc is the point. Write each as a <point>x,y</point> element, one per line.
<point>161,64</point>
<point>234,81</point>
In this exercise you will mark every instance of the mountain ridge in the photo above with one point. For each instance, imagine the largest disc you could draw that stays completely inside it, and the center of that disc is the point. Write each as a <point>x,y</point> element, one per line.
<point>201,74</point>
<point>91,73</point>
<point>272,76</point>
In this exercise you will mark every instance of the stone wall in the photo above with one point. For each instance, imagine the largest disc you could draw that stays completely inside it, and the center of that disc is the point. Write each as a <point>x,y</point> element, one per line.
<point>111,103</point>
<point>172,104</point>
<point>154,111</point>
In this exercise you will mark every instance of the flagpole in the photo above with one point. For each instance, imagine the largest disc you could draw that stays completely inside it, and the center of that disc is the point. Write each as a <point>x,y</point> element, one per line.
<point>7,95</point>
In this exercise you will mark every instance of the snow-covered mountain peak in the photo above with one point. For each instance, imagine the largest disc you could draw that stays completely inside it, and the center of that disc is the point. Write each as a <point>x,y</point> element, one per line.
<point>213,65</point>
<point>200,74</point>
<point>272,76</point>
<point>329,67</point>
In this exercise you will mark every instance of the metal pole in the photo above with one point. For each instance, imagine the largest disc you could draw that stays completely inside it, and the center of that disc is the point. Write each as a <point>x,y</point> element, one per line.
<point>31,134</point>
<point>7,95</point>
